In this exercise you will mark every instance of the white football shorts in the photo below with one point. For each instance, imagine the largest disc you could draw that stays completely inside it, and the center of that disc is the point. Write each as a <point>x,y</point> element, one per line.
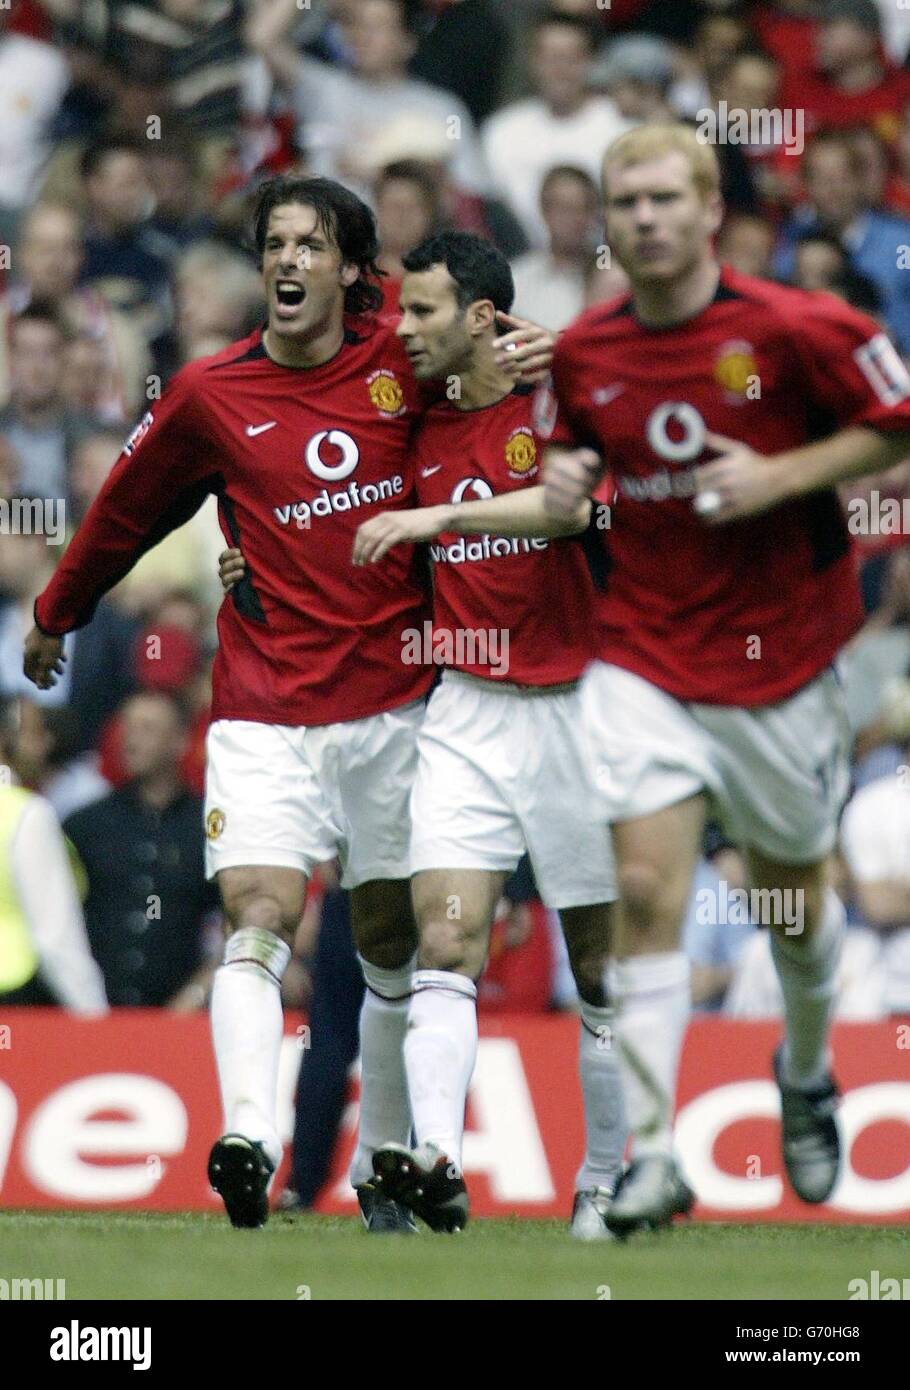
<point>500,771</point>
<point>777,775</point>
<point>296,797</point>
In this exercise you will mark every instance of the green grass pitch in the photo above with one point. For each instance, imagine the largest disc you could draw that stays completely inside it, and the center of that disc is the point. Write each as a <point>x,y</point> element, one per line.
<point>139,1255</point>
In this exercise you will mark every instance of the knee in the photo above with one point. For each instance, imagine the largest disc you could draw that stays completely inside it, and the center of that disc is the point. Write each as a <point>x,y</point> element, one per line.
<point>588,971</point>
<point>451,946</point>
<point>642,893</point>
<point>386,938</point>
<point>263,912</point>
<point>388,951</point>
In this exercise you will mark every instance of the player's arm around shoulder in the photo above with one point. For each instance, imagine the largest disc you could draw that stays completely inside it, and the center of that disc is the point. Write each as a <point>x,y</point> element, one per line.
<point>520,513</point>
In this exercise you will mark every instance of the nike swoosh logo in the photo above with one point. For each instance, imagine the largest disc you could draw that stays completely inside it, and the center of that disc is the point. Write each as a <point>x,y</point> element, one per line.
<point>605,394</point>
<point>253,430</point>
<point>428,472</point>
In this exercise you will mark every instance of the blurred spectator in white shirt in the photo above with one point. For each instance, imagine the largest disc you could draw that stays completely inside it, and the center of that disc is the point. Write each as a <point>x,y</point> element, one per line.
<point>34,77</point>
<point>860,991</point>
<point>875,842</point>
<point>562,123</point>
<point>340,111</point>
<point>550,285</point>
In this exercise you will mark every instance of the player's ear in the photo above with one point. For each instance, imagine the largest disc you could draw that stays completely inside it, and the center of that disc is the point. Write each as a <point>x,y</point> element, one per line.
<point>481,317</point>
<point>349,274</point>
<point>715,211</point>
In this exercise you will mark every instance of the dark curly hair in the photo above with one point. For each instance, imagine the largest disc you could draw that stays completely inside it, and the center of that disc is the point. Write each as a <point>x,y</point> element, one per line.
<point>344,218</point>
<point>479,270</point>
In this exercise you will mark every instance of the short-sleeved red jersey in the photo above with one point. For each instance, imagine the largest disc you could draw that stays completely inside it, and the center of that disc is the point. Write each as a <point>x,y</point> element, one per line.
<point>776,368</point>
<point>539,591</point>
<point>298,458</point>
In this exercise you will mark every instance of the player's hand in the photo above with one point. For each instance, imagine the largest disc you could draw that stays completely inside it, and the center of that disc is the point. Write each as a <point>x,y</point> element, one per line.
<point>740,483</point>
<point>376,537</point>
<point>570,475</point>
<point>231,569</point>
<point>44,658</point>
<point>525,351</point>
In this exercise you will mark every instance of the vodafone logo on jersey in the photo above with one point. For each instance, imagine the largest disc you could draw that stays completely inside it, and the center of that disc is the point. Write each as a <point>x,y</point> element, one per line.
<point>332,456</point>
<point>467,550</point>
<point>676,431</point>
<point>343,444</point>
<point>472,490</point>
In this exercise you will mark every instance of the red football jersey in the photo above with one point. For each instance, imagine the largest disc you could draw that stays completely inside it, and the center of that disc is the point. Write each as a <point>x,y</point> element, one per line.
<point>776,368</point>
<point>298,459</point>
<point>537,592</point>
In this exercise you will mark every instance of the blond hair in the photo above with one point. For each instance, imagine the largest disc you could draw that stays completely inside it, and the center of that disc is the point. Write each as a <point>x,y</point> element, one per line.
<point>657,138</point>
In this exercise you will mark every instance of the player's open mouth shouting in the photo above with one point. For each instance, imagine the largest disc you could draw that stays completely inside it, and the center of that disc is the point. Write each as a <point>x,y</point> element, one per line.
<point>287,298</point>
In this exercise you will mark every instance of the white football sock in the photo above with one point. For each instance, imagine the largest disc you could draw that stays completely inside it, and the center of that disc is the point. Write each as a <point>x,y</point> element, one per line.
<point>385,1110</point>
<point>807,970</point>
<point>653,1002</point>
<point>601,1088</point>
<point>247,1028</point>
<point>439,1054</point>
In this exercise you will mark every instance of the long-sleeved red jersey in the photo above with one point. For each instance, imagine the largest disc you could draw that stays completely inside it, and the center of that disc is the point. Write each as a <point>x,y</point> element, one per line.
<point>298,458</point>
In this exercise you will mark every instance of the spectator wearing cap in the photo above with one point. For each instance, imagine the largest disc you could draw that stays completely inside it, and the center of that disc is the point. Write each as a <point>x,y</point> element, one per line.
<point>550,285</point>
<point>148,905</point>
<point>853,82</point>
<point>340,111</point>
<point>637,72</point>
<point>563,122</point>
<point>836,204</point>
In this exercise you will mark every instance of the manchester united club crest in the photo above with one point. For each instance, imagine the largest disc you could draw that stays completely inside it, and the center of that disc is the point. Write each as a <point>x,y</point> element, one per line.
<point>521,453</point>
<point>214,823</point>
<point>736,370</point>
<point>386,393</point>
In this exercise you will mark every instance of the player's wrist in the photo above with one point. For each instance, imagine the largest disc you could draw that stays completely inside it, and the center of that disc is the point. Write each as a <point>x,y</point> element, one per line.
<point>790,479</point>
<point>45,632</point>
<point>446,517</point>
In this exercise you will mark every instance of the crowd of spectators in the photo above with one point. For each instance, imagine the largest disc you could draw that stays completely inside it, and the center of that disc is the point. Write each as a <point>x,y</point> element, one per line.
<point>133,136</point>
